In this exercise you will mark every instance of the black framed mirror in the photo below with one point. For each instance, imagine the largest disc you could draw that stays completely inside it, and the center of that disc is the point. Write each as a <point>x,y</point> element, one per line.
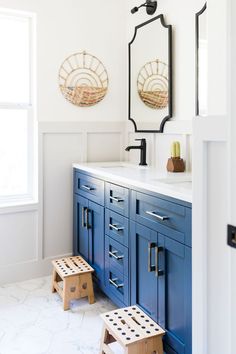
<point>201,62</point>
<point>150,75</point>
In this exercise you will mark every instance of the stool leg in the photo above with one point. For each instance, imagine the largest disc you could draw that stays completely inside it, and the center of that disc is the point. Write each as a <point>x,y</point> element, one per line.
<point>136,348</point>
<point>90,289</point>
<point>159,345</point>
<point>104,339</point>
<point>54,277</point>
<point>65,295</point>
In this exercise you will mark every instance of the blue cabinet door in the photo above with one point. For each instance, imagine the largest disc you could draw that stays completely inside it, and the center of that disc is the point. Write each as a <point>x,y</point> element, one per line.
<point>144,281</point>
<point>96,239</point>
<point>176,261</point>
<point>80,232</point>
<point>88,234</point>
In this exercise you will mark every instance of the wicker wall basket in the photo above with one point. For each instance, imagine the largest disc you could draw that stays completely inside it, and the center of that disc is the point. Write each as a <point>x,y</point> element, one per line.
<point>83,79</point>
<point>152,84</point>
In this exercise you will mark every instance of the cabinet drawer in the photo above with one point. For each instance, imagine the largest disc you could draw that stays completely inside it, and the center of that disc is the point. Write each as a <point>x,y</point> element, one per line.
<point>117,198</point>
<point>116,255</point>
<point>172,219</point>
<point>117,227</point>
<point>117,284</point>
<point>89,187</point>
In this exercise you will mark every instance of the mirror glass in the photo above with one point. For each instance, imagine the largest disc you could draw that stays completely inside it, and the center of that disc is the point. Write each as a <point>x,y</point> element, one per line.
<point>201,44</point>
<point>150,75</point>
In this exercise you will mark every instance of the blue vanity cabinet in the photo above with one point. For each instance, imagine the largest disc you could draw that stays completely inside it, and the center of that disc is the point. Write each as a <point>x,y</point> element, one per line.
<point>144,283</point>
<point>117,244</point>
<point>80,232</point>
<point>139,244</point>
<point>96,239</point>
<point>89,187</point>
<point>176,286</point>
<point>88,232</point>
<point>161,266</point>
<point>159,213</point>
<point>161,284</point>
<point>117,198</point>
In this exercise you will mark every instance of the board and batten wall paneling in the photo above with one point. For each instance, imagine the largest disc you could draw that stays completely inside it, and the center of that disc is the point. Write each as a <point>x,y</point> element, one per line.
<point>59,151</point>
<point>61,145</point>
<point>21,246</point>
<point>31,236</point>
<point>104,147</point>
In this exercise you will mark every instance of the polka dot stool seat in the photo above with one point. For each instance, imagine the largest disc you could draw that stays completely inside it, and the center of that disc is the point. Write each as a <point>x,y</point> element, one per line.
<point>133,330</point>
<point>76,276</point>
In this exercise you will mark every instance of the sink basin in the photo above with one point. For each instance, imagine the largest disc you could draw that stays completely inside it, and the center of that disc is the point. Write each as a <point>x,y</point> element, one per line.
<point>174,180</point>
<point>118,166</point>
<point>122,165</point>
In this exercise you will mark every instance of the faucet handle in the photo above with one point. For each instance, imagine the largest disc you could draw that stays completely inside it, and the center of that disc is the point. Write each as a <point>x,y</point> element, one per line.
<point>143,140</point>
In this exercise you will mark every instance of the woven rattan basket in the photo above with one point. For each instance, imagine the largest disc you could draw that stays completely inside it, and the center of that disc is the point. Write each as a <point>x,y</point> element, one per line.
<point>152,84</point>
<point>83,79</point>
<point>154,99</point>
<point>84,96</point>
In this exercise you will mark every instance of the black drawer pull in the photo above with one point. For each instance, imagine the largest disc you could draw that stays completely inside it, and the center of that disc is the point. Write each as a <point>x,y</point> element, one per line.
<point>158,271</point>
<point>162,218</point>
<point>116,228</point>
<point>151,268</point>
<point>87,188</point>
<point>113,282</point>
<point>113,254</point>
<point>87,211</point>
<point>83,224</point>
<point>117,199</point>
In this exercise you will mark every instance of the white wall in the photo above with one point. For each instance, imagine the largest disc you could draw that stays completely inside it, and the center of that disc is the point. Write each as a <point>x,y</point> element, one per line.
<point>69,26</point>
<point>30,236</point>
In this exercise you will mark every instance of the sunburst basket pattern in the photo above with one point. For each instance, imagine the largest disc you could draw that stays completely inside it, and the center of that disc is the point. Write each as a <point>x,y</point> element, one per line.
<point>152,84</point>
<point>83,79</point>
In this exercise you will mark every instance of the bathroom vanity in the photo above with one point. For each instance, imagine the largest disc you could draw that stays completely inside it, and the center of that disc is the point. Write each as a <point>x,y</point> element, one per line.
<point>133,226</point>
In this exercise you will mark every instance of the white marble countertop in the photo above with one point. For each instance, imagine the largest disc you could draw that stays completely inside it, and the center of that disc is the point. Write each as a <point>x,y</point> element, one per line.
<point>175,185</point>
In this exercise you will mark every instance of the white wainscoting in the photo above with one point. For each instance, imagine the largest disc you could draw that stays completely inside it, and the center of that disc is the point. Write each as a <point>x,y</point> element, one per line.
<point>31,236</point>
<point>158,145</point>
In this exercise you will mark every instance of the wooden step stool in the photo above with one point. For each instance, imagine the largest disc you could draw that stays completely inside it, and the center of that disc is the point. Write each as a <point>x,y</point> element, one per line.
<point>133,330</point>
<point>76,275</point>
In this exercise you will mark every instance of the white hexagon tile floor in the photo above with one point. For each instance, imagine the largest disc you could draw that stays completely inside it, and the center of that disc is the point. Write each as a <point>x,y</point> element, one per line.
<point>32,321</point>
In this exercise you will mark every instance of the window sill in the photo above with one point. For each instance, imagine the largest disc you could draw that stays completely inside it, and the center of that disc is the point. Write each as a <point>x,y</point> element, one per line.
<point>18,206</point>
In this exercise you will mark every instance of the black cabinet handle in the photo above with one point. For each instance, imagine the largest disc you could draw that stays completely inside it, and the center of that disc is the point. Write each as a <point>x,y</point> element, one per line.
<point>87,211</point>
<point>83,224</point>
<point>151,268</point>
<point>158,271</point>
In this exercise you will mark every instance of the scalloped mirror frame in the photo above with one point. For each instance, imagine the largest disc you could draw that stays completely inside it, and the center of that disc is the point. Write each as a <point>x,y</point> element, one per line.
<point>170,75</point>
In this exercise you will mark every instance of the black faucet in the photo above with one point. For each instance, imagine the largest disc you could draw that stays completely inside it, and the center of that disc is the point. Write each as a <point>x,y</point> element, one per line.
<point>143,151</point>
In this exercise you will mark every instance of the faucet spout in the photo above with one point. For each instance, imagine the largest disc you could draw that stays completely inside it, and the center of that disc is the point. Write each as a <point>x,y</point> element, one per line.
<point>135,147</point>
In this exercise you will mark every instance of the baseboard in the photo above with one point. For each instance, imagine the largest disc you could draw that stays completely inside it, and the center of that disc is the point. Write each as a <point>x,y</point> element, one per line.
<point>25,271</point>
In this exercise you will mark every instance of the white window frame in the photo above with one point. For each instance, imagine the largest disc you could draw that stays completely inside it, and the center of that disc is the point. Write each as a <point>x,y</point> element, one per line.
<point>32,195</point>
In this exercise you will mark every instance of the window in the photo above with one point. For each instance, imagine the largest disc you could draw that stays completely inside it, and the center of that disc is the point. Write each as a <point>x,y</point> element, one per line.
<point>17,107</point>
